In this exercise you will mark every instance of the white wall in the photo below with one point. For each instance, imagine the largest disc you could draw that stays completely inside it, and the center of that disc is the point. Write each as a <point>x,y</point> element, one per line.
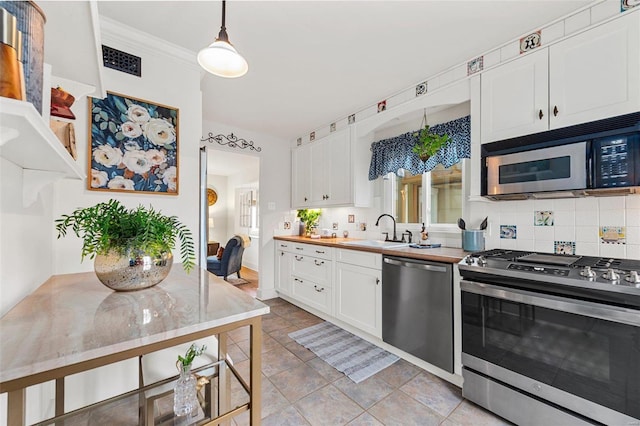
<point>275,190</point>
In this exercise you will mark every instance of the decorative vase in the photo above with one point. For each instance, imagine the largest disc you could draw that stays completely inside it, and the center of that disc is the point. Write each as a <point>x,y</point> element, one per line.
<point>184,394</point>
<point>302,231</point>
<point>133,270</point>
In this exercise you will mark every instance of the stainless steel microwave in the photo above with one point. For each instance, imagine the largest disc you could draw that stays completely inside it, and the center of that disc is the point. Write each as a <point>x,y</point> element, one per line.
<point>598,163</point>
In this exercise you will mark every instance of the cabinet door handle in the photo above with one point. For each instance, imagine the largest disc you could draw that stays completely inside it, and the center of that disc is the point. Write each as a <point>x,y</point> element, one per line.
<point>299,280</point>
<point>377,280</point>
<point>318,289</point>
<point>305,199</point>
<point>318,263</point>
<point>281,253</point>
<point>540,114</point>
<point>299,258</point>
<point>555,111</point>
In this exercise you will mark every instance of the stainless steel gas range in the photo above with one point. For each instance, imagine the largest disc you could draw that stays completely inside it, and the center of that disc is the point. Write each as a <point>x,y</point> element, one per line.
<point>552,339</point>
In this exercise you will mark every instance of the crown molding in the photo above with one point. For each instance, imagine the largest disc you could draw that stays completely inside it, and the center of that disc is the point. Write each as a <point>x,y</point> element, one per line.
<point>128,37</point>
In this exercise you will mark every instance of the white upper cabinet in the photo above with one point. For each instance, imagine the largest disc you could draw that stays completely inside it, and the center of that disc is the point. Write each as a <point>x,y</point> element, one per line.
<point>590,76</point>
<point>323,172</point>
<point>515,97</point>
<point>595,74</point>
<point>301,177</point>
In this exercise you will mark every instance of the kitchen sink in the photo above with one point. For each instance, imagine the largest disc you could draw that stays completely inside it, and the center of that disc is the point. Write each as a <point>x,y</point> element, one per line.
<point>375,244</point>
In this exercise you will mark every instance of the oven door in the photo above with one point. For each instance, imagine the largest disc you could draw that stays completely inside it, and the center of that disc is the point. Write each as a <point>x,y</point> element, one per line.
<point>582,356</point>
<point>560,168</point>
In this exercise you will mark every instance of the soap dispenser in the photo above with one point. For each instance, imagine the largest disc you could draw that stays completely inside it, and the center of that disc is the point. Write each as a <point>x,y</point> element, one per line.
<point>424,235</point>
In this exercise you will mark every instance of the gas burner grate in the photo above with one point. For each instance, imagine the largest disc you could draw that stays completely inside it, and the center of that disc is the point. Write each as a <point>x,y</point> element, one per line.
<point>503,254</point>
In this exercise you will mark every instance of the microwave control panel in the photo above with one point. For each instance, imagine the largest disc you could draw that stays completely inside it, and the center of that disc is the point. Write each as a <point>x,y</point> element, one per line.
<point>616,160</point>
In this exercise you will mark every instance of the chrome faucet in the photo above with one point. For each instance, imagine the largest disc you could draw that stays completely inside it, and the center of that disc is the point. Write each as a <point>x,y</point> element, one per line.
<point>395,237</point>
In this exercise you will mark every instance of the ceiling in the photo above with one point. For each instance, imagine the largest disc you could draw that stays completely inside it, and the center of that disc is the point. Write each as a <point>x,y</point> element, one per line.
<point>315,62</point>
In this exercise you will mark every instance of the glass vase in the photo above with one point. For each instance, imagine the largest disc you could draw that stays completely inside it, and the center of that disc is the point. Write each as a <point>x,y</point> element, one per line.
<point>184,396</point>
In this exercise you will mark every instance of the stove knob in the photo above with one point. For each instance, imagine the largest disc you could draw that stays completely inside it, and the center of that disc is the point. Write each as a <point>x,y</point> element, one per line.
<point>611,275</point>
<point>468,260</point>
<point>587,272</point>
<point>633,277</point>
<point>482,261</point>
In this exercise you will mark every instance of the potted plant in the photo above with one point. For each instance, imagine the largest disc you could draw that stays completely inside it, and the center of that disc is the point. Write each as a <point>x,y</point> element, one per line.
<point>131,247</point>
<point>184,396</point>
<point>308,218</point>
<point>428,143</point>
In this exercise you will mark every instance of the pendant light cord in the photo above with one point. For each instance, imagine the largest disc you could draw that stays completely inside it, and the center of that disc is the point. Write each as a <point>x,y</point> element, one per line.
<point>222,35</point>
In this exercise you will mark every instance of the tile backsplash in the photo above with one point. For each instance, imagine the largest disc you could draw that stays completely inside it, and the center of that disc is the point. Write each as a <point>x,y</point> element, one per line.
<point>593,226</point>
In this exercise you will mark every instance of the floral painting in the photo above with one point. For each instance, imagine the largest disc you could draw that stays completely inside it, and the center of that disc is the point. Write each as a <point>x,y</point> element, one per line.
<point>134,145</point>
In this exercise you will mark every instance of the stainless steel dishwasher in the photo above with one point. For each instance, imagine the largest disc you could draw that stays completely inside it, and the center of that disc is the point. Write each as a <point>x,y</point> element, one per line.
<point>417,308</point>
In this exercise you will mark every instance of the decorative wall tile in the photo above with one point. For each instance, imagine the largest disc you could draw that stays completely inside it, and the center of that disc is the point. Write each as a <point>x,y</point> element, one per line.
<point>351,218</point>
<point>332,128</point>
<point>299,142</point>
<point>334,226</point>
<point>363,226</point>
<point>382,106</point>
<point>543,218</point>
<point>530,42</point>
<point>628,4</point>
<point>352,119</point>
<point>508,232</point>
<point>564,247</point>
<point>475,65</point>
<point>287,225</point>
<point>312,136</point>
<point>612,235</point>
<point>421,88</point>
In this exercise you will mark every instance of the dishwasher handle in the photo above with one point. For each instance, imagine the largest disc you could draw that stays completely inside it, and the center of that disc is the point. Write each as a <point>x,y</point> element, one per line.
<point>423,266</point>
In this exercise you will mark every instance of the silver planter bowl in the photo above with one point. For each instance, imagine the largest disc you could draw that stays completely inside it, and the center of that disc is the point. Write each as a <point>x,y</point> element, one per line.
<point>133,271</point>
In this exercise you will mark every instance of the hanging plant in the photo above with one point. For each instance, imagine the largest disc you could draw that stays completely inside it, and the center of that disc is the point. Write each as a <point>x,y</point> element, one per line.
<point>428,143</point>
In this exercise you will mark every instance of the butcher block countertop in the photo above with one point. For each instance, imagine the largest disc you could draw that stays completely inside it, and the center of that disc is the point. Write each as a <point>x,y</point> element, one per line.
<point>440,254</point>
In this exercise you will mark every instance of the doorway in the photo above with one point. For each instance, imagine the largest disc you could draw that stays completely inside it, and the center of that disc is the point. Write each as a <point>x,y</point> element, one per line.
<point>233,186</point>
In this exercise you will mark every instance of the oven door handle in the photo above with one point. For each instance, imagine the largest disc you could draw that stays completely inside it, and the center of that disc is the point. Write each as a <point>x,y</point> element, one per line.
<point>579,307</point>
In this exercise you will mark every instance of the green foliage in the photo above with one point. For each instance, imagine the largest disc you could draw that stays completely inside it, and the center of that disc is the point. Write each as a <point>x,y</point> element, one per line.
<point>191,353</point>
<point>309,216</point>
<point>111,226</point>
<point>429,143</point>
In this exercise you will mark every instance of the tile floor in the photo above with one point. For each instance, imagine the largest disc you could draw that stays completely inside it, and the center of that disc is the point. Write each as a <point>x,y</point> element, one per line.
<point>300,389</point>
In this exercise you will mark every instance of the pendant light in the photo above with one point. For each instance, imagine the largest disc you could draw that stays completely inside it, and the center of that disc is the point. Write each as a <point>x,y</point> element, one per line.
<point>221,58</point>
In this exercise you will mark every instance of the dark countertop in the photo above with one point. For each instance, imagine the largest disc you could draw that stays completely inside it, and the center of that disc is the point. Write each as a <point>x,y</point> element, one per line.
<point>440,254</point>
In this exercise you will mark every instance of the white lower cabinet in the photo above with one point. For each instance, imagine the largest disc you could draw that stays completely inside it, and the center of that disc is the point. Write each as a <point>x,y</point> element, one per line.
<point>358,297</point>
<point>312,293</point>
<point>342,283</point>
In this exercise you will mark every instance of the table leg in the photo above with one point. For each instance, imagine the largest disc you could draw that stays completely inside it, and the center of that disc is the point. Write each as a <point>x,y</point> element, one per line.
<point>16,403</point>
<point>224,379</point>
<point>255,373</point>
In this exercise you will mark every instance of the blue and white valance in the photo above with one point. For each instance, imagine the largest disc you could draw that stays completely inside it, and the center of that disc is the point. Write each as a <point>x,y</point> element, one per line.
<point>393,154</point>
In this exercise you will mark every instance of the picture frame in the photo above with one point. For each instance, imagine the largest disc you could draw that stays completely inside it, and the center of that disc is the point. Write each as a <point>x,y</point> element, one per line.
<point>133,146</point>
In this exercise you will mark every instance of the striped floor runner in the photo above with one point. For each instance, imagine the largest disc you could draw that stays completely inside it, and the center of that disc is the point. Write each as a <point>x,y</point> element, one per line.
<point>353,356</point>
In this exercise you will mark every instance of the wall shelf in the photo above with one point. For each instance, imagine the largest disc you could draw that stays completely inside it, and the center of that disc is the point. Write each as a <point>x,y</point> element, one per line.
<point>27,141</point>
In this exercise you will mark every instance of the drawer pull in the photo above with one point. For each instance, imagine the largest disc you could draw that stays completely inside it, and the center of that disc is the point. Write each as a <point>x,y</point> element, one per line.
<point>318,289</point>
<point>320,251</point>
<point>284,245</point>
<point>299,248</point>
<point>299,258</point>
<point>281,253</point>
<point>299,280</point>
<point>318,263</point>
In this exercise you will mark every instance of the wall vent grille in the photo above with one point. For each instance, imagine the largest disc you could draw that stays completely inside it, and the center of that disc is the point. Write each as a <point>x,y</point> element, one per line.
<point>121,61</point>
